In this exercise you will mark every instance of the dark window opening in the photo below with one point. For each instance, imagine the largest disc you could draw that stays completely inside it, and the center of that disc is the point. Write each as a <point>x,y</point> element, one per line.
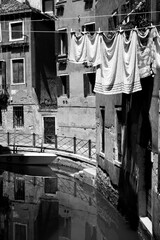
<point>88,4</point>
<point>89,83</point>
<point>19,189</point>
<point>89,28</point>
<point>50,185</point>
<point>18,71</point>
<point>18,117</point>
<point>20,231</point>
<point>16,31</point>
<point>63,42</point>
<point>49,130</point>
<point>63,86</point>
<point>2,76</point>
<point>102,125</point>
<point>60,10</point>
<point>48,5</point>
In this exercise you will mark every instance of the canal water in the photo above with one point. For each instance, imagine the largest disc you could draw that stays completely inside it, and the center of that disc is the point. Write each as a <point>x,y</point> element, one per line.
<point>40,203</point>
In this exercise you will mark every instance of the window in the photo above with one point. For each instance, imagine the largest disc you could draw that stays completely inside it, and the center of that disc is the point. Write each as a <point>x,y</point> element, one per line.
<point>88,4</point>
<point>18,71</point>
<point>63,42</point>
<point>102,129</point>
<point>48,5</point>
<point>16,31</point>
<point>89,82</point>
<point>2,76</point>
<point>63,86</point>
<point>50,185</point>
<point>20,231</point>
<point>19,189</point>
<point>60,10</point>
<point>89,27</point>
<point>18,117</point>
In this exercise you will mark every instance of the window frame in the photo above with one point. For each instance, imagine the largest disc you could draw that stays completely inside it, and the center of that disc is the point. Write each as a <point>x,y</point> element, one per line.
<point>17,223</point>
<point>62,54</point>
<point>87,24</point>
<point>60,84</point>
<point>10,31</point>
<point>14,125</point>
<point>19,179</point>
<point>89,91</point>
<point>43,9</point>
<point>24,72</point>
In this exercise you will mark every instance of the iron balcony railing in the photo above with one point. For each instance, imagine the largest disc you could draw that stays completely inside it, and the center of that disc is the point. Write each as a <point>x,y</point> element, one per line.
<point>86,148</point>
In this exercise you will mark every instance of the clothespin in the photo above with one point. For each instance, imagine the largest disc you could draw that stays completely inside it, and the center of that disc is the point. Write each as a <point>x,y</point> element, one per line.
<point>99,30</point>
<point>120,29</point>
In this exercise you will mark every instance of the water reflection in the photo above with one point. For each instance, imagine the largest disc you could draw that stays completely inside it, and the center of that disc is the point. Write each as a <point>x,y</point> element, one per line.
<point>41,204</point>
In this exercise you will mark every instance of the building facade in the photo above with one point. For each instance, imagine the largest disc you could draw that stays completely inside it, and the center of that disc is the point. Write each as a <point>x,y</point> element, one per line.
<point>27,69</point>
<point>128,130</point>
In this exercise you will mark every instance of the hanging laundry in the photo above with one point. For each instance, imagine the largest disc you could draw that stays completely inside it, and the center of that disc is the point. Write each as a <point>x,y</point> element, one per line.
<point>119,71</point>
<point>94,49</point>
<point>78,48</point>
<point>146,53</point>
<point>157,49</point>
<point>85,49</point>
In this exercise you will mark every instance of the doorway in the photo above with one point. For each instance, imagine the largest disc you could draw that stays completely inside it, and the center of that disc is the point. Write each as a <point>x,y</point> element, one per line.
<point>49,130</point>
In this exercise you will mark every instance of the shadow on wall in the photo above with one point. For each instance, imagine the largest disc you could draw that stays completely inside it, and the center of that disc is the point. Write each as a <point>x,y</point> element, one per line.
<point>135,174</point>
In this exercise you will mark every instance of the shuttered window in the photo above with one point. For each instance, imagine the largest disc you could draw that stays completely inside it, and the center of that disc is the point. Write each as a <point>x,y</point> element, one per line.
<point>16,30</point>
<point>50,185</point>
<point>48,5</point>
<point>18,71</point>
<point>2,75</point>
<point>89,82</point>
<point>18,117</point>
<point>20,231</point>
<point>62,42</point>
<point>63,86</point>
<point>19,189</point>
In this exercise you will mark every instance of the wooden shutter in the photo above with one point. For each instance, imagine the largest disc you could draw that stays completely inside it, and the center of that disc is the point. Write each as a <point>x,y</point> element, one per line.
<point>59,86</point>
<point>66,42</point>
<point>3,75</point>
<point>67,85</point>
<point>86,84</point>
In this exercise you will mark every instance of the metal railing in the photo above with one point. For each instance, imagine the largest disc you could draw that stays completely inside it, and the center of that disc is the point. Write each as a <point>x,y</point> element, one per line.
<point>86,148</point>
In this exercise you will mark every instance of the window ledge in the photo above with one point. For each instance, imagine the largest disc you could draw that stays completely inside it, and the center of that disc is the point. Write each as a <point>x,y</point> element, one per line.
<point>101,154</point>
<point>117,163</point>
<point>61,2</point>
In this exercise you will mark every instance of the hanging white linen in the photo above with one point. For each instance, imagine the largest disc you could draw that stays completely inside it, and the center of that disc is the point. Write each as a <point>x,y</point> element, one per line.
<point>78,48</point>
<point>157,49</point>
<point>119,71</point>
<point>146,53</point>
<point>94,49</point>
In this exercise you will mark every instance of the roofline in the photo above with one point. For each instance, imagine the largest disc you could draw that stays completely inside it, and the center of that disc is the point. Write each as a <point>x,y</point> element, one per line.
<point>34,10</point>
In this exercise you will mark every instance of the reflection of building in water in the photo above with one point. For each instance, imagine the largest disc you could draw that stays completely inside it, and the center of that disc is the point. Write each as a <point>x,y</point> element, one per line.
<point>46,208</point>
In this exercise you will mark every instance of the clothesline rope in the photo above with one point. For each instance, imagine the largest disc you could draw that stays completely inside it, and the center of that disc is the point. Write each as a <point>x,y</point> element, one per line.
<point>102,31</point>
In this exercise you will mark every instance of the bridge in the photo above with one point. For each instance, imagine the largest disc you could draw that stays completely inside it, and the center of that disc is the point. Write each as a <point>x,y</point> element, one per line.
<point>62,145</point>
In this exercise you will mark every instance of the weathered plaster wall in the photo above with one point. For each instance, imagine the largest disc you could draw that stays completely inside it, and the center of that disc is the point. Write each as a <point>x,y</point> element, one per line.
<point>76,114</point>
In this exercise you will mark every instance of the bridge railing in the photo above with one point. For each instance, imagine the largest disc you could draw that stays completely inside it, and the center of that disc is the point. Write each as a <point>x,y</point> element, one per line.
<point>86,148</point>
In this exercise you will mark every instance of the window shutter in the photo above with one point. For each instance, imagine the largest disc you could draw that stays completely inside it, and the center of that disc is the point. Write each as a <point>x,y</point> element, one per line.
<point>57,43</point>
<point>20,72</point>
<point>15,72</point>
<point>86,84</point>
<point>3,75</point>
<point>59,86</point>
<point>66,43</point>
<point>67,85</point>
